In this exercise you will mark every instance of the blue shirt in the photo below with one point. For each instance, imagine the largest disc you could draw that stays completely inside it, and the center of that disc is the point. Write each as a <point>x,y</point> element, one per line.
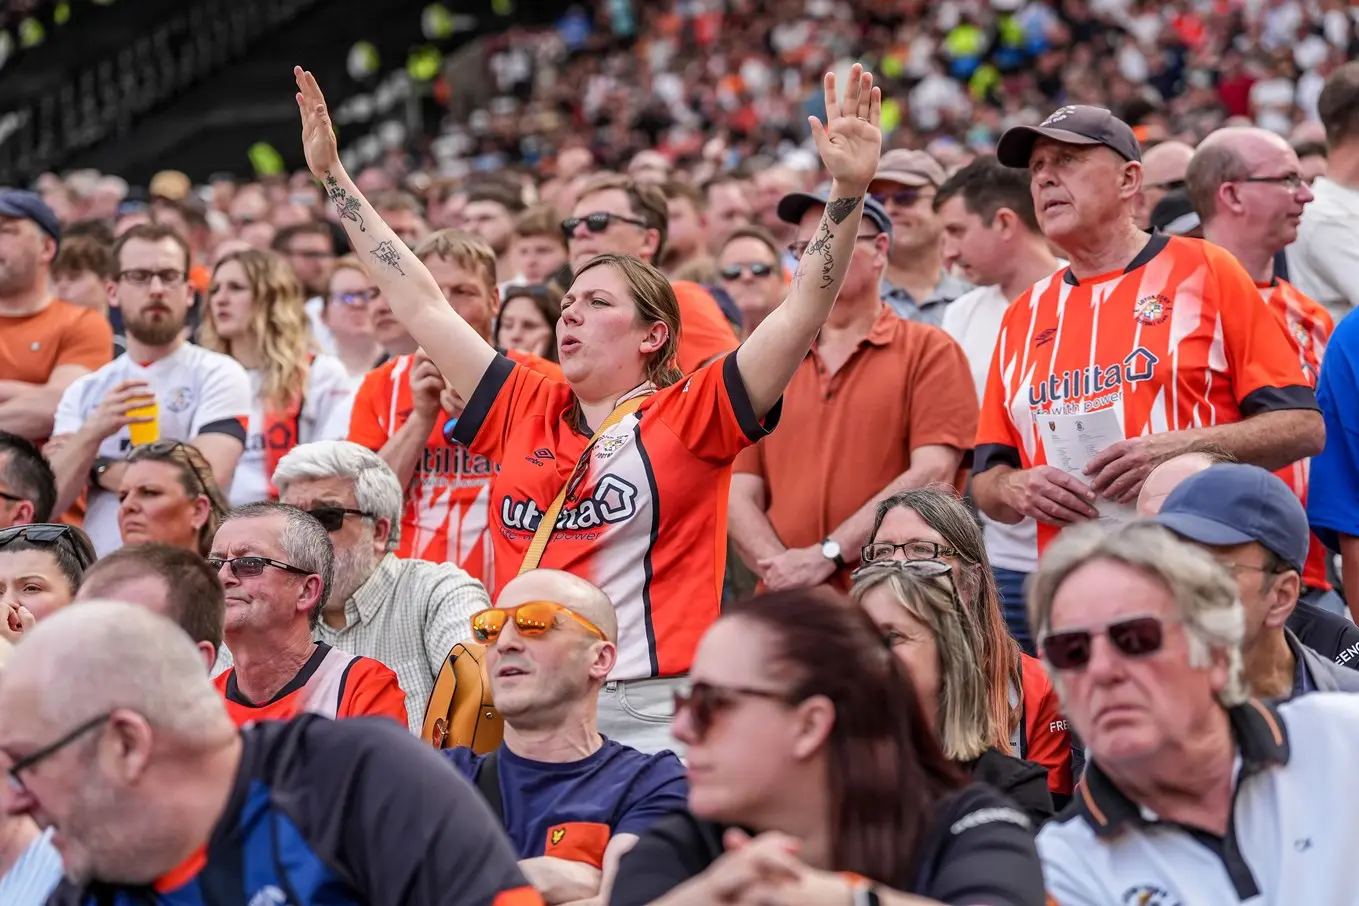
<point>1333,495</point>
<point>32,877</point>
<point>571,810</point>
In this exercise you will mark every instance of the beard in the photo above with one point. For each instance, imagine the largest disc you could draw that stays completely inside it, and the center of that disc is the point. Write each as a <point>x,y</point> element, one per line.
<point>17,275</point>
<point>353,566</point>
<point>154,330</point>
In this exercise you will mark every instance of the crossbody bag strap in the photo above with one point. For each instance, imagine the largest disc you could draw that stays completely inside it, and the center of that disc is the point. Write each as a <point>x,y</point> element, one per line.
<point>488,784</point>
<point>536,547</point>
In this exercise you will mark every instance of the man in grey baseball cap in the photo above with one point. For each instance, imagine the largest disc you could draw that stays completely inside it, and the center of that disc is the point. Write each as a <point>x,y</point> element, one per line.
<point>1253,524</point>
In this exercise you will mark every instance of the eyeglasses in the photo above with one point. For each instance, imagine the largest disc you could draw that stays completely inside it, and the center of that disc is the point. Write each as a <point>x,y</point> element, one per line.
<point>531,619</point>
<point>1290,181</point>
<point>912,550</point>
<point>356,298</point>
<point>757,269</point>
<point>903,197</point>
<point>164,450</point>
<point>597,222</point>
<point>1071,649</point>
<point>249,567</point>
<point>796,249</point>
<point>1173,185</point>
<point>28,762</point>
<point>12,498</point>
<point>332,517</point>
<point>142,277</point>
<point>705,701</point>
<point>50,533</point>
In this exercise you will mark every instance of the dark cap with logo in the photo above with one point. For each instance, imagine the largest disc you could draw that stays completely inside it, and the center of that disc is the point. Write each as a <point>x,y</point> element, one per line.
<point>1235,503</point>
<point>794,205</point>
<point>1075,125</point>
<point>25,205</point>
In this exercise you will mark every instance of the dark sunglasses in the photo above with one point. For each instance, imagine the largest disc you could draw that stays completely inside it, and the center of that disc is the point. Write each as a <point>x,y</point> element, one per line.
<point>705,701</point>
<point>249,567</point>
<point>903,197</point>
<point>50,533</point>
<point>164,451</point>
<point>332,517</point>
<point>734,271</point>
<point>597,222</point>
<point>1071,649</point>
<point>28,762</point>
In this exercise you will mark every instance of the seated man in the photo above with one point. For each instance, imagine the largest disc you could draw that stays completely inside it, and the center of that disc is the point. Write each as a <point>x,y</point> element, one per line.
<point>170,581</point>
<point>572,801</point>
<point>405,613</point>
<point>276,563</point>
<point>1195,792</point>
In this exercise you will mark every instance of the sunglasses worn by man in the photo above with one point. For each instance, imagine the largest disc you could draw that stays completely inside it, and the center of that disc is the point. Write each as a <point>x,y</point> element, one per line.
<point>1134,637</point>
<point>531,619</point>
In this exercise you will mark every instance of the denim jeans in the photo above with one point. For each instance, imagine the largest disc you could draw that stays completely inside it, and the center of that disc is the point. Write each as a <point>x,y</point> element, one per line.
<point>638,713</point>
<point>1010,584</point>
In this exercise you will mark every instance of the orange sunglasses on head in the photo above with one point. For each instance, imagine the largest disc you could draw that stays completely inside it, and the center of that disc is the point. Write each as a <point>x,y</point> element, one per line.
<point>532,619</point>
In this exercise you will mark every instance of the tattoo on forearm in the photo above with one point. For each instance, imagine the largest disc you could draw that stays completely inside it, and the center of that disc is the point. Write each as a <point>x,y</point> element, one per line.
<point>840,208</point>
<point>820,247</point>
<point>390,255</point>
<point>799,274</point>
<point>346,205</point>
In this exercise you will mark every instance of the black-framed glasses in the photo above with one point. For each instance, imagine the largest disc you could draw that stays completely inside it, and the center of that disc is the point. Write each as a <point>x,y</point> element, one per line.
<point>796,249</point>
<point>756,269</point>
<point>51,533</point>
<point>915,549</point>
<point>705,701</point>
<point>1293,182</point>
<point>332,517</point>
<point>598,222</point>
<point>356,298</point>
<point>903,197</point>
<point>142,277</point>
<point>1135,637</point>
<point>250,567</point>
<point>28,762</point>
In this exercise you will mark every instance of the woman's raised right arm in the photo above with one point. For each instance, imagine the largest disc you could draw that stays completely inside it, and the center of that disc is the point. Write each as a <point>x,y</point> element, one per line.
<point>449,341</point>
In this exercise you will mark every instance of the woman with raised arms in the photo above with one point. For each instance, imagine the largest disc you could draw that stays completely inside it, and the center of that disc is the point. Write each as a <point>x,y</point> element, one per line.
<point>633,457</point>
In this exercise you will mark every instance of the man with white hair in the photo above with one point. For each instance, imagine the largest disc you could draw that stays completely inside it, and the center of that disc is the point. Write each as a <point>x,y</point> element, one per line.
<point>115,738</point>
<point>1195,792</point>
<point>405,613</point>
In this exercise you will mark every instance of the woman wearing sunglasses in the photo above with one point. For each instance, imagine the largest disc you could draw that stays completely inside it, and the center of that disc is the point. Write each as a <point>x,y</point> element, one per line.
<point>750,269</point>
<point>255,315</point>
<point>815,777</point>
<point>939,641</point>
<point>528,319</point>
<point>40,569</point>
<point>636,456</point>
<point>926,524</point>
<point>168,496</point>
<point>348,315</point>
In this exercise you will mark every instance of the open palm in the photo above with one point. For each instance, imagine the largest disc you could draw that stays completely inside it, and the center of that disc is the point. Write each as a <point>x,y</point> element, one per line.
<point>318,135</point>
<point>851,139</point>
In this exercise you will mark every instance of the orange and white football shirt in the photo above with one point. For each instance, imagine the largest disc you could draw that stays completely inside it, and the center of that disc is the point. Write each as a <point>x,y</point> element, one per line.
<point>445,518</point>
<point>1309,326</point>
<point>1179,339</point>
<point>647,519</point>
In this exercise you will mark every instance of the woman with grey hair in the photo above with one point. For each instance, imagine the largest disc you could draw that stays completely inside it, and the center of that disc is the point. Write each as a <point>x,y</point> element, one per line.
<point>916,608</point>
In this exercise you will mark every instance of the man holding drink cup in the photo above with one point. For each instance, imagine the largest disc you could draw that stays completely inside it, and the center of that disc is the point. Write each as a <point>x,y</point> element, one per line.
<point>162,387</point>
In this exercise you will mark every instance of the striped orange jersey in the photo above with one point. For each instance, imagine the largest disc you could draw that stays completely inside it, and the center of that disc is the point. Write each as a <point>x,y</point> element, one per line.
<point>646,520</point>
<point>1309,326</point>
<point>445,517</point>
<point>1179,339</point>
<point>332,683</point>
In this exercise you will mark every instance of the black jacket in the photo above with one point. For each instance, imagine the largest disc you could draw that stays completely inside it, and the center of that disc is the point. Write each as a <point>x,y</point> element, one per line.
<point>1023,781</point>
<point>1333,637</point>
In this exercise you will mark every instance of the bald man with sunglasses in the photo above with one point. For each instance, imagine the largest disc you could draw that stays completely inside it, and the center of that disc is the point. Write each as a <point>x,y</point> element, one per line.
<point>572,801</point>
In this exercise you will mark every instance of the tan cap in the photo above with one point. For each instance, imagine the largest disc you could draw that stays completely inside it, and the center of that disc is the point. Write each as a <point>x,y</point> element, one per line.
<point>171,184</point>
<point>910,168</point>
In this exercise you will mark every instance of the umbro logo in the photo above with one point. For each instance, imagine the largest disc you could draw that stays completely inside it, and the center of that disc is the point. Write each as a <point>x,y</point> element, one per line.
<point>1045,336</point>
<point>539,455</point>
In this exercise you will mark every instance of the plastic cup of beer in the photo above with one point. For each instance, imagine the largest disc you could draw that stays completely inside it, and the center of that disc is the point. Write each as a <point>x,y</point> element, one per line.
<point>148,431</point>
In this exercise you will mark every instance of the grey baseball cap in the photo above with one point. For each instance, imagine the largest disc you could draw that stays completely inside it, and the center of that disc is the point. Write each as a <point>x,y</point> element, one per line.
<point>1077,124</point>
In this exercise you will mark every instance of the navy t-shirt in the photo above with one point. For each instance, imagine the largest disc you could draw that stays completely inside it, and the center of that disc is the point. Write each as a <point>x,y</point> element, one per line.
<point>571,810</point>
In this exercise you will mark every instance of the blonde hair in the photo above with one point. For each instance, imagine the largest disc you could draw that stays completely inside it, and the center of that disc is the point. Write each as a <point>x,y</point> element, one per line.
<point>347,263</point>
<point>463,249</point>
<point>279,322</point>
<point>655,301</point>
<point>967,725</point>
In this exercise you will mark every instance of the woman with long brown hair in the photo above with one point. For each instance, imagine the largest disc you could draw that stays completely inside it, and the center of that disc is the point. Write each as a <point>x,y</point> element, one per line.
<point>630,460</point>
<point>256,315</point>
<point>929,524</point>
<point>809,758</point>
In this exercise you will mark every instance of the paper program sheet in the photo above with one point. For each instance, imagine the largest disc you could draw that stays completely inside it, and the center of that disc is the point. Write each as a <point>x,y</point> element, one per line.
<point>1071,441</point>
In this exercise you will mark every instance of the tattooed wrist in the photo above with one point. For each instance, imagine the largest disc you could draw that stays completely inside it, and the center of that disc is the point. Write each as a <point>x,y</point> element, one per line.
<point>840,208</point>
<point>346,206</point>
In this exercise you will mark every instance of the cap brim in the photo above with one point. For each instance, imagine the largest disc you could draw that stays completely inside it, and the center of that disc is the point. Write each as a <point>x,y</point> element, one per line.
<point>1185,223</point>
<point>792,207</point>
<point>18,213</point>
<point>1016,145</point>
<point>1202,529</point>
<point>912,180</point>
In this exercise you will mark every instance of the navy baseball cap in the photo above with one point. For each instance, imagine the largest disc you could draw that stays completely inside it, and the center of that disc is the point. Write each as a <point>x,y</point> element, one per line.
<point>793,206</point>
<point>1235,503</point>
<point>1077,124</point>
<point>27,205</point>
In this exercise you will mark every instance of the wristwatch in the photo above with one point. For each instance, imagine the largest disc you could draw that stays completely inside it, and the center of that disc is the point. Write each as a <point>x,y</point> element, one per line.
<point>862,891</point>
<point>101,465</point>
<point>830,549</point>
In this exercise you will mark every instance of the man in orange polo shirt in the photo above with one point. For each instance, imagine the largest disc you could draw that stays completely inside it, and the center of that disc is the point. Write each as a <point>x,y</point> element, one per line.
<point>879,405</point>
<point>405,413</point>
